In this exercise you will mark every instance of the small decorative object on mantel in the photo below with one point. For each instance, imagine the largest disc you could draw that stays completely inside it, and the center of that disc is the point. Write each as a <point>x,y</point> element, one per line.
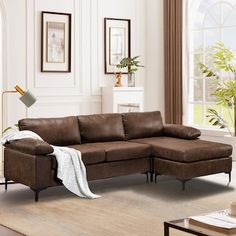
<point>118,79</point>
<point>132,64</point>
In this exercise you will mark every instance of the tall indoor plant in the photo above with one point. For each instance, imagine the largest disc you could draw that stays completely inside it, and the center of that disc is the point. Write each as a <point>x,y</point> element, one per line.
<point>132,64</point>
<point>221,66</point>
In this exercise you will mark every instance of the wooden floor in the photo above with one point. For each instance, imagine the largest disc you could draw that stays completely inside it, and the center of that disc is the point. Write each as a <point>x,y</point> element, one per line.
<point>129,206</point>
<point>8,232</point>
<point>4,231</point>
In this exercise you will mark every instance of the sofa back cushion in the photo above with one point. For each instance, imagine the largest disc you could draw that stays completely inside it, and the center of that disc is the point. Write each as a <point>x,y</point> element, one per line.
<point>57,131</point>
<point>101,128</point>
<point>142,124</point>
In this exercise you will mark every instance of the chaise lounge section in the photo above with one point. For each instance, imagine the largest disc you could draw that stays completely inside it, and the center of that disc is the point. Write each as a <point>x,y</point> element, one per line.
<point>175,157</point>
<point>113,145</point>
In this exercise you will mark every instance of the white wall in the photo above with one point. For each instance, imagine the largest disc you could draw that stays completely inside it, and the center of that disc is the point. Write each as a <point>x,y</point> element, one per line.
<point>155,56</point>
<point>78,92</point>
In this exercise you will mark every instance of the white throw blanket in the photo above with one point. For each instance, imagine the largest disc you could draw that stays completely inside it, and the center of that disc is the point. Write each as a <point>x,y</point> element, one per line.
<point>71,169</point>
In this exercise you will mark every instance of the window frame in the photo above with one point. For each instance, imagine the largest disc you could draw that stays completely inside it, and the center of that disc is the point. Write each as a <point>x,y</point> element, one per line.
<point>188,116</point>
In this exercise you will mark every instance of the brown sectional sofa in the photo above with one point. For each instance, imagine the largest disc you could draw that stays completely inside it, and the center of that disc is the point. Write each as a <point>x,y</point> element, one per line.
<point>113,145</point>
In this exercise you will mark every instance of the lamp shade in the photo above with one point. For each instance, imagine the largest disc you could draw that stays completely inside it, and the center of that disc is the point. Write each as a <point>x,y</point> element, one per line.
<point>28,99</point>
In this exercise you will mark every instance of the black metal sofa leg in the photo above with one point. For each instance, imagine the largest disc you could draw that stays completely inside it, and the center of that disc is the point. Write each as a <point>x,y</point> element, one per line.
<point>147,175</point>
<point>184,183</point>
<point>151,161</point>
<point>229,177</point>
<point>36,193</point>
<point>229,173</point>
<point>151,176</point>
<point>6,180</point>
<point>156,174</point>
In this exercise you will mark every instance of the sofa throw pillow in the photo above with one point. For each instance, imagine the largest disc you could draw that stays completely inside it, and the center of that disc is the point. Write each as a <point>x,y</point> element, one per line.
<point>181,131</point>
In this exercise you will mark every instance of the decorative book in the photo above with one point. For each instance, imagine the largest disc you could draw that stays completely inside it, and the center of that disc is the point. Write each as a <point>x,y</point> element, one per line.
<point>220,221</point>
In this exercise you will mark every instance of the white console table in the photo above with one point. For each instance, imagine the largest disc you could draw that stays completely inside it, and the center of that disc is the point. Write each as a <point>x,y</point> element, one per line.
<point>122,99</point>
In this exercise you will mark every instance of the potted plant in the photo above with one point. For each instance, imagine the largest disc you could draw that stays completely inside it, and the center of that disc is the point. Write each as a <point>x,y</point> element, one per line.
<point>222,67</point>
<point>132,64</point>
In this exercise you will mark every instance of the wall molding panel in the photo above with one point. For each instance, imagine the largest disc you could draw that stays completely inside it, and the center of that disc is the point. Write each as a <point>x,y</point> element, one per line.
<point>96,105</point>
<point>78,92</point>
<point>3,67</point>
<point>94,88</point>
<point>4,60</point>
<point>78,46</point>
<point>65,107</point>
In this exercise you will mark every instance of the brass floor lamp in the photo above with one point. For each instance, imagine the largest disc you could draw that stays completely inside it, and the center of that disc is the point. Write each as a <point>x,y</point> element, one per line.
<point>26,97</point>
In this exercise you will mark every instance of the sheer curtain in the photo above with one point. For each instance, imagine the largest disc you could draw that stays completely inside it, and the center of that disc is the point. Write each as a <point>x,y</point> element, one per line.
<point>173,43</point>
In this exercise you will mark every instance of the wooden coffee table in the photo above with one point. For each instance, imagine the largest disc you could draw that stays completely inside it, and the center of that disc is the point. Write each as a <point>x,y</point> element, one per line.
<point>183,225</point>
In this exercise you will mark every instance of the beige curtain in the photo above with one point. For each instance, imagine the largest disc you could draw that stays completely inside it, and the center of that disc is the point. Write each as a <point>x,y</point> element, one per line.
<point>173,13</point>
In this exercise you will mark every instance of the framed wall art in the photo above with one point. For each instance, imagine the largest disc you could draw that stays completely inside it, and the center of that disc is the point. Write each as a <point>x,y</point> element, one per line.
<point>117,43</point>
<point>56,42</point>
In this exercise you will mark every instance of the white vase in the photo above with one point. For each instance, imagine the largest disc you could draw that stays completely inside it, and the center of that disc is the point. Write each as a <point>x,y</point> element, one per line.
<point>131,80</point>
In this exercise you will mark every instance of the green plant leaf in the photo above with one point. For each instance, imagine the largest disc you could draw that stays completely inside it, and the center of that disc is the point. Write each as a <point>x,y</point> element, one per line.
<point>10,127</point>
<point>132,64</point>
<point>218,62</point>
<point>216,119</point>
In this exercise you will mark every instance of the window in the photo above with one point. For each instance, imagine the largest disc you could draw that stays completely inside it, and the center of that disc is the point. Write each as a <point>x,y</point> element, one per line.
<point>209,22</point>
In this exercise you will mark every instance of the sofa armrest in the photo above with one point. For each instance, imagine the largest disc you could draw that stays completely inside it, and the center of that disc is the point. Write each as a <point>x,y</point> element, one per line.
<point>181,131</point>
<point>30,146</point>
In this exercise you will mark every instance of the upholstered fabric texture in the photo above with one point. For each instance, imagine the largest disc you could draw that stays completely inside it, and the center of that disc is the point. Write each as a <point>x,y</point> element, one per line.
<point>90,154</point>
<point>181,150</point>
<point>190,170</point>
<point>57,131</point>
<point>101,128</point>
<point>44,175</point>
<point>113,145</point>
<point>33,171</point>
<point>117,168</point>
<point>181,131</point>
<point>122,150</point>
<point>31,146</point>
<point>141,125</point>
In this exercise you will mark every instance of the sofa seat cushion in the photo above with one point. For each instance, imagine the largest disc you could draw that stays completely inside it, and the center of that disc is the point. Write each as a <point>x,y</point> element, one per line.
<point>90,154</point>
<point>122,150</point>
<point>186,150</point>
